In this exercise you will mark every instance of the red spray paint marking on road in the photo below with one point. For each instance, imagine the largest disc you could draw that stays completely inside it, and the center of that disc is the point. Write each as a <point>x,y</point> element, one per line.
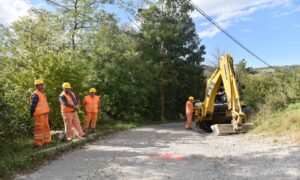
<point>167,156</point>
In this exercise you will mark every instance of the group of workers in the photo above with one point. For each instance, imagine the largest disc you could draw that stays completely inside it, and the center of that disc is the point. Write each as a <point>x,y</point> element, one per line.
<point>39,111</point>
<point>69,106</point>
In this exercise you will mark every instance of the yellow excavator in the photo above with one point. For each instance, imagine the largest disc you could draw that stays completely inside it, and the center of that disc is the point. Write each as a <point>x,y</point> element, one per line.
<point>222,111</point>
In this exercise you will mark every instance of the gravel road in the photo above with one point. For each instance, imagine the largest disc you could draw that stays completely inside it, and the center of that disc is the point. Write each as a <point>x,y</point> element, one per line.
<point>168,151</point>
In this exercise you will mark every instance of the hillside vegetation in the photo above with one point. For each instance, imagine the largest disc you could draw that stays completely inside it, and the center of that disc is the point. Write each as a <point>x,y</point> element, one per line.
<point>282,122</point>
<point>274,95</point>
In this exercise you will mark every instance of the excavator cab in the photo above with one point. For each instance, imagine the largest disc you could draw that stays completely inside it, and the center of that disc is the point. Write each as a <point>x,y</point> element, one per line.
<point>221,111</point>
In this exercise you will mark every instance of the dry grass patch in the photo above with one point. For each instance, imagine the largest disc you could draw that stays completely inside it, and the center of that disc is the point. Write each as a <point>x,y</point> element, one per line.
<point>285,122</point>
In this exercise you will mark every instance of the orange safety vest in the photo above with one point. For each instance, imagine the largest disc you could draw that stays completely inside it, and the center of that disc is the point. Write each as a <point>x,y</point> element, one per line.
<point>42,106</point>
<point>91,104</point>
<point>189,108</point>
<point>65,108</point>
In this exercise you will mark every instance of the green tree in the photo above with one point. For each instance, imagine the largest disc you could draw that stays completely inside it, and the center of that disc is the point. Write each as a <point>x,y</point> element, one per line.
<point>170,41</point>
<point>78,17</point>
<point>122,78</point>
<point>82,44</point>
<point>36,48</point>
<point>242,71</point>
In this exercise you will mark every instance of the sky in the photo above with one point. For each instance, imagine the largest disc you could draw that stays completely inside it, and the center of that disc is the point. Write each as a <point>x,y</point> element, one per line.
<point>269,28</point>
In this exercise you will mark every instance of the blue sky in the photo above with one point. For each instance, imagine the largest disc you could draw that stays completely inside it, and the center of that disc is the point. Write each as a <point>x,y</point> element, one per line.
<point>270,28</point>
<point>273,33</point>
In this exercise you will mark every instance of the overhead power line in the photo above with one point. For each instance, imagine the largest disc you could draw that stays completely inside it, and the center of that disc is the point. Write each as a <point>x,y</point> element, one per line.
<point>229,35</point>
<point>55,3</point>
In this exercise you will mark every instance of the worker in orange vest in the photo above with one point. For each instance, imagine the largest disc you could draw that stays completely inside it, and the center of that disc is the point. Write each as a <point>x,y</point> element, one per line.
<point>91,107</point>
<point>39,112</point>
<point>69,106</point>
<point>189,109</point>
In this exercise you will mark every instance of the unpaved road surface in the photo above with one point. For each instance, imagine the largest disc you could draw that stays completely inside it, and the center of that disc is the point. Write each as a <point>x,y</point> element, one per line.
<point>170,152</point>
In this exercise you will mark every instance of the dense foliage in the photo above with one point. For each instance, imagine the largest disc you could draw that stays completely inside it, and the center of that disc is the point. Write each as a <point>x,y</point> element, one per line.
<point>82,44</point>
<point>276,90</point>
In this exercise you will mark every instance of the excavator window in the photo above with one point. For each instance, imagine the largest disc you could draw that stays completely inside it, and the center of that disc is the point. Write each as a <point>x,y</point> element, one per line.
<point>221,96</point>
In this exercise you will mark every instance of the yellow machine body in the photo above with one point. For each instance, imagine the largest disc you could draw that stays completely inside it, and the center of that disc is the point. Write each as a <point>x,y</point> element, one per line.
<point>223,75</point>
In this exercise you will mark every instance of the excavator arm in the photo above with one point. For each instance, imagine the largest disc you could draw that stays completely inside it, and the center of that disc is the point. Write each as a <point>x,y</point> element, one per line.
<point>231,91</point>
<point>223,77</point>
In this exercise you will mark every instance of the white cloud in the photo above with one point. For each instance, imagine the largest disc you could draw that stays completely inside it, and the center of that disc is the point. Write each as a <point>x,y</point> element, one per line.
<point>212,30</point>
<point>226,12</point>
<point>11,10</point>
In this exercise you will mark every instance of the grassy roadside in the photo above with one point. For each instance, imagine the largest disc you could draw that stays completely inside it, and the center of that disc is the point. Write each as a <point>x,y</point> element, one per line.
<point>19,155</point>
<point>285,122</point>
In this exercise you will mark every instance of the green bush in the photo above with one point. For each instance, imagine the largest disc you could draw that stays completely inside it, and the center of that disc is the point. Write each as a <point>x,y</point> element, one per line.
<point>256,90</point>
<point>277,91</point>
<point>275,100</point>
<point>34,52</point>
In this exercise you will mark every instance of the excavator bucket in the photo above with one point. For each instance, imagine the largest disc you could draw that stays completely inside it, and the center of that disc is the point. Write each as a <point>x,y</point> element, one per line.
<point>227,129</point>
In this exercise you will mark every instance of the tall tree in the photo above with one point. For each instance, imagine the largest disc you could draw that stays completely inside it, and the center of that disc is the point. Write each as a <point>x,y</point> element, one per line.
<point>78,17</point>
<point>171,41</point>
<point>119,73</point>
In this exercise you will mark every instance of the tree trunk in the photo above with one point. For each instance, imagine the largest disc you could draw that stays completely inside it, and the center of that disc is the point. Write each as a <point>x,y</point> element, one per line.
<point>75,24</point>
<point>162,90</point>
<point>162,102</point>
